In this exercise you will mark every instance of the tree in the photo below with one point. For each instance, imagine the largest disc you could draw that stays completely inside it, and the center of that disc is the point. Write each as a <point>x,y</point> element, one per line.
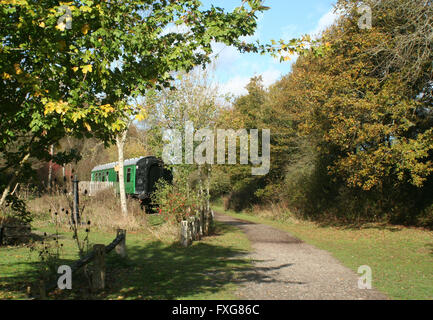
<point>370,124</point>
<point>67,69</point>
<point>120,143</point>
<point>196,100</point>
<point>407,26</point>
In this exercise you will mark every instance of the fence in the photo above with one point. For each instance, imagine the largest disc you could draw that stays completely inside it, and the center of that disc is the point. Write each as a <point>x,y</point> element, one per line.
<point>98,256</point>
<point>196,227</point>
<point>13,233</point>
<point>93,187</point>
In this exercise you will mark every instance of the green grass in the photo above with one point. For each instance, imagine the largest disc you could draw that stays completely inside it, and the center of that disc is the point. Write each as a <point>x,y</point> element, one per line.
<point>401,258</point>
<point>152,269</point>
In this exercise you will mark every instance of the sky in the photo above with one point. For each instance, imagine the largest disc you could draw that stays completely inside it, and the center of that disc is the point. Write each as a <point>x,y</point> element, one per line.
<point>285,20</point>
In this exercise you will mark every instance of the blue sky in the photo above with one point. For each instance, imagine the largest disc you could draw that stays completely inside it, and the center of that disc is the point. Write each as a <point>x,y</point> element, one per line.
<point>285,20</point>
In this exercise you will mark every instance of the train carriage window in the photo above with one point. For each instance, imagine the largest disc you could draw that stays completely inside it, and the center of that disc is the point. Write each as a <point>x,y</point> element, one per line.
<point>117,176</point>
<point>128,175</point>
<point>103,177</point>
<point>108,176</point>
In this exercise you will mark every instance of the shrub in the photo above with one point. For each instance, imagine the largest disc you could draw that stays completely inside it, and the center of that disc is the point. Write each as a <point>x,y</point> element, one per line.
<point>175,203</point>
<point>15,209</point>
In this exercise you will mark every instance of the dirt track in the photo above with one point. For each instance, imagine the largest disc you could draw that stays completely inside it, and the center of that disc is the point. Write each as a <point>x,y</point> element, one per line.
<point>285,268</point>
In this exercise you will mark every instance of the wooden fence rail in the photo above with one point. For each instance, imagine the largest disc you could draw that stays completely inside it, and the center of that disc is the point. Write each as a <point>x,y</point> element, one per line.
<point>98,255</point>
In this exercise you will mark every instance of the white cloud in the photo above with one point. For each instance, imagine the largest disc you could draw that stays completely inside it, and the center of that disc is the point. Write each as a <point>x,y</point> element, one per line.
<point>231,60</point>
<point>291,31</point>
<point>227,56</point>
<point>237,85</point>
<point>324,22</point>
<point>173,28</point>
<point>270,76</point>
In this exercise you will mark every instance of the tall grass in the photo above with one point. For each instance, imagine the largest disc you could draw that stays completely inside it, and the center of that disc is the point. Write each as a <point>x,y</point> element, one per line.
<point>103,210</point>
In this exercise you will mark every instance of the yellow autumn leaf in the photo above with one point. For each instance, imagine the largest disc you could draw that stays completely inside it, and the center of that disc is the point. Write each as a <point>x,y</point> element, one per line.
<point>107,108</point>
<point>87,68</point>
<point>75,69</point>
<point>48,108</point>
<point>6,76</point>
<point>85,9</point>
<point>87,126</point>
<point>42,24</point>
<point>17,68</point>
<point>140,117</point>
<point>85,29</point>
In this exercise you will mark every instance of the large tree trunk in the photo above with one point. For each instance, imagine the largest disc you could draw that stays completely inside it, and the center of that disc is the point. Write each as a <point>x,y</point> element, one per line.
<point>120,142</point>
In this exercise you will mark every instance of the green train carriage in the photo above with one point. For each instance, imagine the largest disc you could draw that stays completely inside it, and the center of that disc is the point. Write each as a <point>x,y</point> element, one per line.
<point>140,174</point>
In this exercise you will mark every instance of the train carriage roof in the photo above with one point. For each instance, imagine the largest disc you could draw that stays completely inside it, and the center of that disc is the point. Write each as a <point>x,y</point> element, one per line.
<point>108,166</point>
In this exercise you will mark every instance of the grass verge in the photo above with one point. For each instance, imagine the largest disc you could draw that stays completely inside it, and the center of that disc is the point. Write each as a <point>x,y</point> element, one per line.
<point>401,258</point>
<point>153,269</point>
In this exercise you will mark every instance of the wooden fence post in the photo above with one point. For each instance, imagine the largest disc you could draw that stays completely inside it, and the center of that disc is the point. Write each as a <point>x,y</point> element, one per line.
<point>1,234</point>
<point>76,204</point>
<point>189,231</point>
<point>42,290</point>
<point>98,279</point>
<point>195,228</point>
<point>184,234</point>
<point>121,247</point>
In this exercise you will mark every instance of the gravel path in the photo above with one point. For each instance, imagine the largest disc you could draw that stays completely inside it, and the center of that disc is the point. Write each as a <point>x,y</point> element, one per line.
<point>285,268</point>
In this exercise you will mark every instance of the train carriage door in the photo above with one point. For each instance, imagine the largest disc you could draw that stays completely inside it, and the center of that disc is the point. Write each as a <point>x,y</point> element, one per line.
<point>155,173</point>
<point>140,179</point>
